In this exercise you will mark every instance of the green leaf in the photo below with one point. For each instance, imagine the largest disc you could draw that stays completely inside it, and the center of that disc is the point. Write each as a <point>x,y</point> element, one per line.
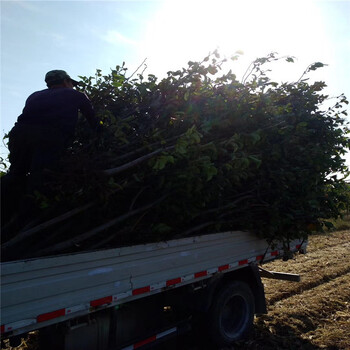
<point>316,65</point>
<point>162,161</point>
<point>211,171</point>
<point>302,125</point>
<point>244,162</point>
<point>212,70</point>
<point>314,203</point>
<point>255,137</point>
<point>162,228</point>
<point>181,146</point>
<point>329,225</point>
<point>255,160</point>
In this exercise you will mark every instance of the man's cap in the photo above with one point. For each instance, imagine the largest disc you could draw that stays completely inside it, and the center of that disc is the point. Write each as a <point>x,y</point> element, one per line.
<point>56,76</point>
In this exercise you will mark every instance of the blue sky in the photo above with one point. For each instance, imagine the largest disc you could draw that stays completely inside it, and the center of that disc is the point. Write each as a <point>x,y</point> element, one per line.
<point>81,36</point>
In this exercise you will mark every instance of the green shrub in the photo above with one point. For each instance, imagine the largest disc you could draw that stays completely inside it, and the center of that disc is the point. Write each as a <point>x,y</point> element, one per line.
<point>199,152</point>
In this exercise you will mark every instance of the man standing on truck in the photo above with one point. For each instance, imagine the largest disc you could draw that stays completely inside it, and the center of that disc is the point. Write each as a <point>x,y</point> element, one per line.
<point>41,134</point>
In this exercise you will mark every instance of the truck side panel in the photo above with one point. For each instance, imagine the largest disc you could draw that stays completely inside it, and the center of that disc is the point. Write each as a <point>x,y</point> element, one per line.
<point>38,290</point>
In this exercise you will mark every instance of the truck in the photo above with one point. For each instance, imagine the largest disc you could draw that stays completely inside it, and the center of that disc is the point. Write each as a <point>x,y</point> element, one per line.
<point>134,297</point>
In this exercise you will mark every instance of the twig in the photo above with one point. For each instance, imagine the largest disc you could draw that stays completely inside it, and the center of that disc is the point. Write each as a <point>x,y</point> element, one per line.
<point>117,170</point>
<point>135,198</point>
<point>194,229</point>
<point>227,206</point>
<point>137,221</point>
<point>137,69</point>
<point>102,242</point>
<point>45,241</point>
<point>141,149</point>
<point>244,77</point>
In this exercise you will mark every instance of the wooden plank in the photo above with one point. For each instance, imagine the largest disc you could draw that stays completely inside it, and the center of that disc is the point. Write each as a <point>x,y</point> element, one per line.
<point>279,275</point>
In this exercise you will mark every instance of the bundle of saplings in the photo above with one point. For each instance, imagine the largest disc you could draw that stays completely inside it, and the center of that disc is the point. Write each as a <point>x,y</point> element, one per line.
<point>197,152</point>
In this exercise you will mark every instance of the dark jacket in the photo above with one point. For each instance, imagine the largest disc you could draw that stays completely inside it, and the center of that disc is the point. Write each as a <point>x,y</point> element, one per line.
<point>57,108</point>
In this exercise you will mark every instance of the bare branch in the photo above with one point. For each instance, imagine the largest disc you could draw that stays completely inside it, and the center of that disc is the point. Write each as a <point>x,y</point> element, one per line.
<point>193,229</point>
<point>137,69</point>
<point>84,236</point>
<point>31,232</point>
<point>135,162</point>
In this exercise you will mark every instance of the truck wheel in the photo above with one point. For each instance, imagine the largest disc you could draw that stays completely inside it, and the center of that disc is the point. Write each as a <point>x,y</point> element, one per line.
<point>231,315</point>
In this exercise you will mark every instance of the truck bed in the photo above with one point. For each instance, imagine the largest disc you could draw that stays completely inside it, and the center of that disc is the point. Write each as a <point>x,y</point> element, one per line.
<point>43,291</point>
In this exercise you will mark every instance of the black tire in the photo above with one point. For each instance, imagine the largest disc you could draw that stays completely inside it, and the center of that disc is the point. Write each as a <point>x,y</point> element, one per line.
<point>231,315</point>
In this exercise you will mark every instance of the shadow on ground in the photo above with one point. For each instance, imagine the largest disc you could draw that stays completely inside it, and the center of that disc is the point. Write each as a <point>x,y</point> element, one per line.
<point>263,337</point>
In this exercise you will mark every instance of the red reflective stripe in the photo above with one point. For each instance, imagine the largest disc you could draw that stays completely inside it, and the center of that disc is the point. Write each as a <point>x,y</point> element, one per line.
<point>173,281</point>
<point>298,246</point>
<point>275,253</point>
<point>51,315</point>
<point>144,342</point>
<point>2,328</point>
<point>141,290</point>
<point>101,301</point>
<point>243,262</point>
<point>260,257</point>
<point>223,267</point>
<point>200,274</point>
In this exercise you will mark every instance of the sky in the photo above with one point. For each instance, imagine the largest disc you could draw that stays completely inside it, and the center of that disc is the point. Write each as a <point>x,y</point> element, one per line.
<point>82,36</point>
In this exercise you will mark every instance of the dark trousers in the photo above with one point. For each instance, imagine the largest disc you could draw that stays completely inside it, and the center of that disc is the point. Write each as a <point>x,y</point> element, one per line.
<point>32,149</point>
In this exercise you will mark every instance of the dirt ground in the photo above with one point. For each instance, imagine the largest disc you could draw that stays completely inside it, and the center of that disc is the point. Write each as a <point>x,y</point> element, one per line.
<point>311,314</point>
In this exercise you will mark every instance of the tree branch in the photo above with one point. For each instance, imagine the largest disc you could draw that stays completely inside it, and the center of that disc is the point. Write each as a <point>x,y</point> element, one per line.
<point>29,233</point>
<point>193,229</point>
<point>135,162</point>
<point>78,239</point>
